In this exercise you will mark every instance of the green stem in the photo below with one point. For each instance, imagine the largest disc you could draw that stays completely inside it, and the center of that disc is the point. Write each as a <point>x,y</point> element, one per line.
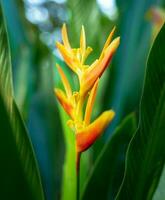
<point>78,155</point>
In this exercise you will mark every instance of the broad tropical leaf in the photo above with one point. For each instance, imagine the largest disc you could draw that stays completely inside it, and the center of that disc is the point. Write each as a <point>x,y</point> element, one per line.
<point>21,54</point>
<point>108,170</point>
<point>146,154</point>
<point>135,31</point>
<point>20,178</point>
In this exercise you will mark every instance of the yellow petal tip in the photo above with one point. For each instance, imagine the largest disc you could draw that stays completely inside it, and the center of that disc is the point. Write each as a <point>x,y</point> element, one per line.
<point>113,46</point>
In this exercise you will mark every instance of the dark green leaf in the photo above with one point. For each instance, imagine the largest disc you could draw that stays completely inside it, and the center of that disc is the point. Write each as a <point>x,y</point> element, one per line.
<point>108,170</point>
<point>146,154</point>
<point>20,178</point>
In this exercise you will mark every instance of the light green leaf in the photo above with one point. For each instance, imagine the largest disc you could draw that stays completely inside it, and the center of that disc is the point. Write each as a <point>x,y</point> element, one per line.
<point>146,154</point>
<point>108,170</point>
<point>20,178</point>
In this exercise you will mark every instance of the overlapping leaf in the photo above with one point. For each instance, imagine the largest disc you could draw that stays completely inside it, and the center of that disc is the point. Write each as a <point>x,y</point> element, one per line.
<point>20,178</point>
<point>108,170</point>
<point>126,79</point>
<point>146,154</point>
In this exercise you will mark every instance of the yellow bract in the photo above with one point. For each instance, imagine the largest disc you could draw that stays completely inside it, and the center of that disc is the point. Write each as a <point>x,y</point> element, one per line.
<point>74,102</point>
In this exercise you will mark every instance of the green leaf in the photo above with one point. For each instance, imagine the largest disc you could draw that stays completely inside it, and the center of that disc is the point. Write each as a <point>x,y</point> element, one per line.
<point>146,154</point>
<point>21,53</point>
<point>108,170</point>
<point>20,178</point>
<point>135,32</point>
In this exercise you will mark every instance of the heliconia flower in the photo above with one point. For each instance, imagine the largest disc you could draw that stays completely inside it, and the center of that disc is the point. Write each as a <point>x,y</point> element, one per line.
<point>73,103</point>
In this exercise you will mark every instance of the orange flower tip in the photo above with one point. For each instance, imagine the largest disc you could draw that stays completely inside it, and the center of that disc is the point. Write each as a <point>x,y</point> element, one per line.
<point>104,119</point>
<point>109,115</point>
<point>111,35</point>
<point>89,49</point>
<point>82,30</point>
<point>64,29</point>
<point>114,44</point>
<point>59,94</point>
<point>113,30</point>
<point>61,48</point>
<point>82,40</point>
<point>58,45</point>
<point>108,41</point>
<point>65,37</point>
<point>64,26</point>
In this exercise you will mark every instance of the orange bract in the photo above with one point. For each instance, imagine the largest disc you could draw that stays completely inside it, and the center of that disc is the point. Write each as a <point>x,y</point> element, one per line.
<point>73,102</point>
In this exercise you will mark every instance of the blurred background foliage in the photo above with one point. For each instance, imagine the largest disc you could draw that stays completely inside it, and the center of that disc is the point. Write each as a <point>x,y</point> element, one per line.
<point>34,26</point>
